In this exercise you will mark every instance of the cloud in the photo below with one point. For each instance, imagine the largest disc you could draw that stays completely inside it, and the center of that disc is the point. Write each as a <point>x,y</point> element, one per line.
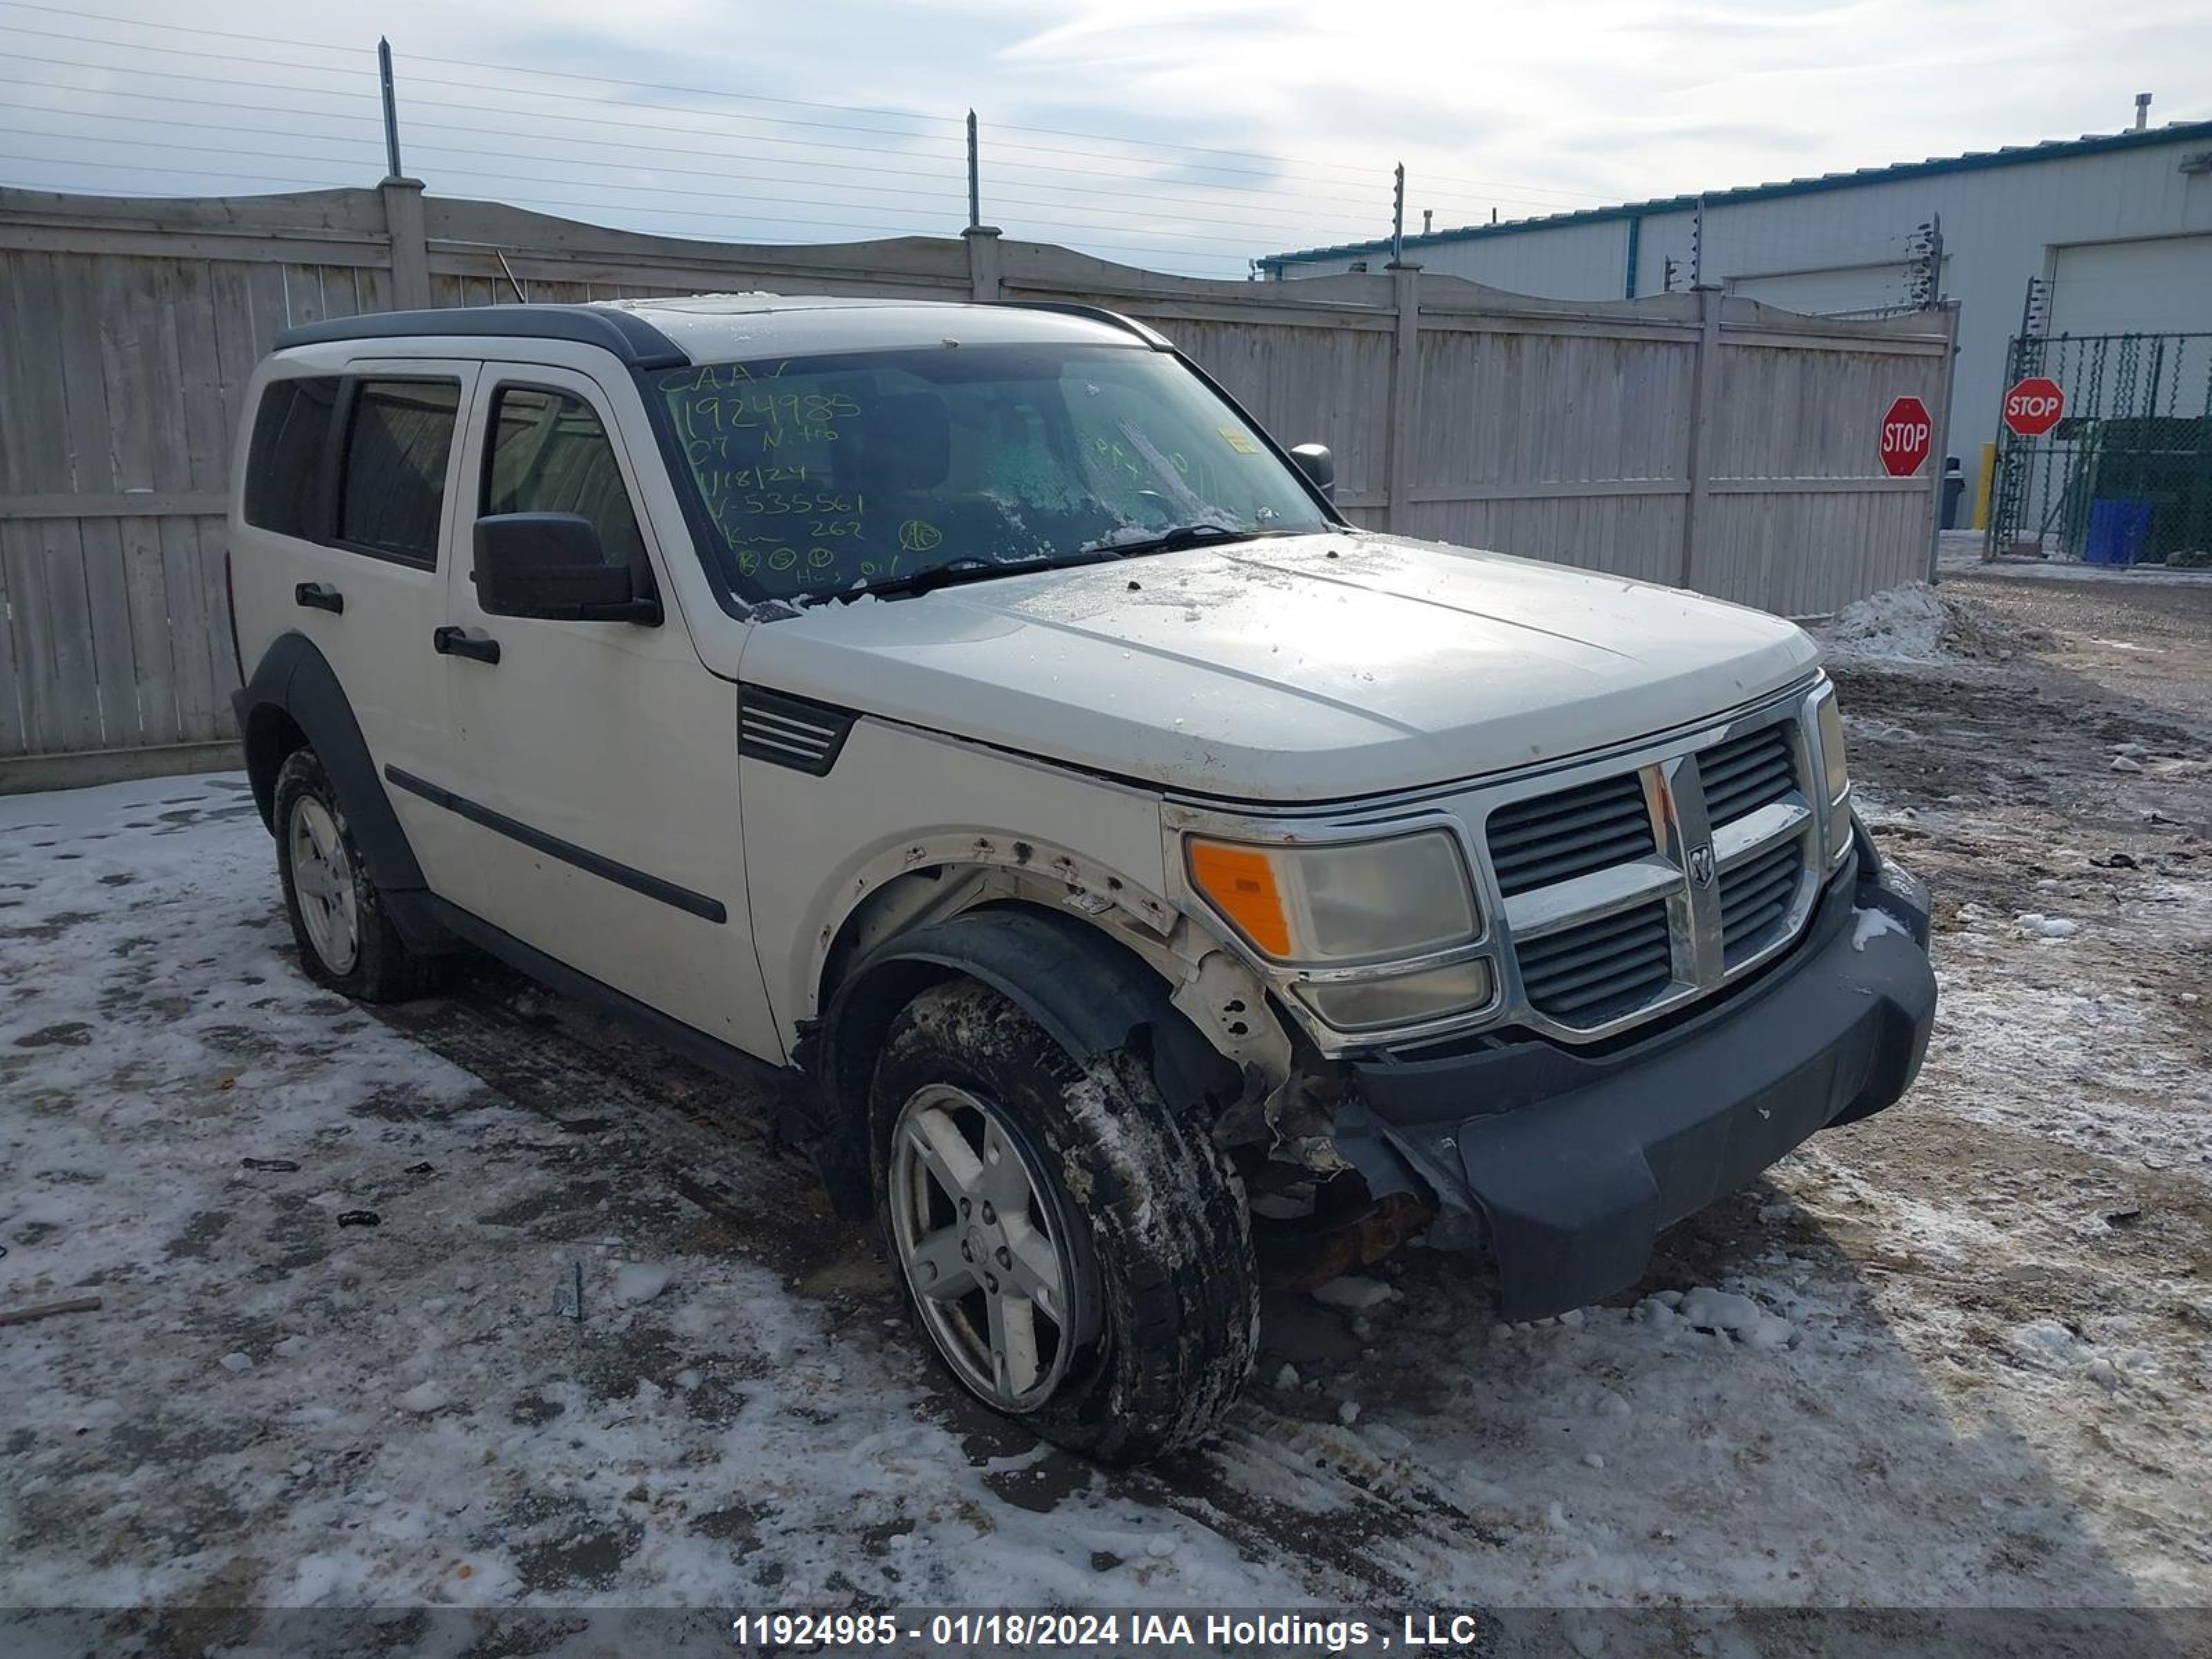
<point>1186,133</point>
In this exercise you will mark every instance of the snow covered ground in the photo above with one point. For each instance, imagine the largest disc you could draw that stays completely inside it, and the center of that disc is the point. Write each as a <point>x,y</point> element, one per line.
<point>1958,1357</point>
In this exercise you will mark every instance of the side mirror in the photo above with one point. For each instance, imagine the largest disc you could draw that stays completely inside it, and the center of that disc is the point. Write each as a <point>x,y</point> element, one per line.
<point>550,566</point>
<point>1319,466</point>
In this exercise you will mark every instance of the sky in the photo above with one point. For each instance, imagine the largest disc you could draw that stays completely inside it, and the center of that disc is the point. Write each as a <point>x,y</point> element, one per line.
<point>1189,134</point>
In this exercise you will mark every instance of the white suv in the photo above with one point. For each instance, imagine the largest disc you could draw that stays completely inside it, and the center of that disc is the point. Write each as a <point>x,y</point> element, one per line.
<point>970,708</point>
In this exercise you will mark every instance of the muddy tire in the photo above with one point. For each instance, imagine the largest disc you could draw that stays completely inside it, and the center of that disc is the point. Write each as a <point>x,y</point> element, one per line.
<point>347,941</point>
<point>1122,1227</point>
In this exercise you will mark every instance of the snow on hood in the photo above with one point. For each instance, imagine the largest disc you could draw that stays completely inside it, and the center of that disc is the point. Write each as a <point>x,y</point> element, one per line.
<point>1313,668</point>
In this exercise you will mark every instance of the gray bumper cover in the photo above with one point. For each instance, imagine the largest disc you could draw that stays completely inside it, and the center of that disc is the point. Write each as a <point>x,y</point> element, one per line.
<point>1567,1166</point>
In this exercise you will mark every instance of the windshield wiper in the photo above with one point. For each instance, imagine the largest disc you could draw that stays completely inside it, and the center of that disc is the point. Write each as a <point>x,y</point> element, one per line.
<point>1181,536</point>
<point>946,576</point>
<point>978,570</point>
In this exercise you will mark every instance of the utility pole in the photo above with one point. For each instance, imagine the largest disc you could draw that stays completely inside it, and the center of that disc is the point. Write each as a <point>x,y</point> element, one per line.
<point>975,177</point>
<point>1428,218</point>
<point>392,169</point>
<point>1697,246</point>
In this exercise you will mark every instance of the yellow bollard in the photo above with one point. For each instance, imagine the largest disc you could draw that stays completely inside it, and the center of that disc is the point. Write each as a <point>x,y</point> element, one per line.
<point>1981,491</point>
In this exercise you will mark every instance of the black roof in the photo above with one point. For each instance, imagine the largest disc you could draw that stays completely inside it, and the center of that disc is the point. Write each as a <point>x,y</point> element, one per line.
<point>628,335</point>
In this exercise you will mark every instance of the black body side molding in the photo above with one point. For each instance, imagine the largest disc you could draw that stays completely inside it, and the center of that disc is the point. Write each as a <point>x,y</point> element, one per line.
<point>622,875</point>
<point>294,695</point>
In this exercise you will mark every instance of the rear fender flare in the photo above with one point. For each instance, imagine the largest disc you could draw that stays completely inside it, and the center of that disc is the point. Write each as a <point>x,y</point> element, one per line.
<point>294,686</point>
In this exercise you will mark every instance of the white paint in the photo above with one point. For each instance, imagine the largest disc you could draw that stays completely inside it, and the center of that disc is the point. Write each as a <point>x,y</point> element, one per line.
<point>1317,668</point>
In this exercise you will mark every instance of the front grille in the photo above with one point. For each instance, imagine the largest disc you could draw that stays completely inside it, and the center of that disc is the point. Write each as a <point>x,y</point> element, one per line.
<point>1755,897</point>
<point>1747,772</point>
<point>1551,838</point>
<point>1588,972</point>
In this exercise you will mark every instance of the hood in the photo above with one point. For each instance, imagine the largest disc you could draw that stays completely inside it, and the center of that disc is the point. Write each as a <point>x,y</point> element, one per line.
<point>1311,668</point>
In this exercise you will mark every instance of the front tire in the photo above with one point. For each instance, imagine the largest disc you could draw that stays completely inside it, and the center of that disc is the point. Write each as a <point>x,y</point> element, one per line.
<point>346,942</point>
<point>1076,1256</point>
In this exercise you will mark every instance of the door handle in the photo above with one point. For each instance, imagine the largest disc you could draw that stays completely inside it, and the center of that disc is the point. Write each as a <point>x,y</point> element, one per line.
<point>320,596</point>
<point>459,642</point>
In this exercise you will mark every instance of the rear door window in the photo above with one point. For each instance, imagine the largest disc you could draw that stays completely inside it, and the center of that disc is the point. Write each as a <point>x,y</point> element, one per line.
<point>284,465</point>
<point>392,482</point>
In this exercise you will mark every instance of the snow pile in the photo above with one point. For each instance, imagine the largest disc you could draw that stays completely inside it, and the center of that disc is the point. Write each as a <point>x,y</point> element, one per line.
<point>639,1282</point>
<point>1354,1294</point>
<point>1901,624</point>
<point>275,1408</point>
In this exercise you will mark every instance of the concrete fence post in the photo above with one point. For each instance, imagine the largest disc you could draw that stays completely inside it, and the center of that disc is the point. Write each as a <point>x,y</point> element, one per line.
<point>984,283</point>
<point>1704,380</point>
<point>1405,412</point>
<point>410,243</point>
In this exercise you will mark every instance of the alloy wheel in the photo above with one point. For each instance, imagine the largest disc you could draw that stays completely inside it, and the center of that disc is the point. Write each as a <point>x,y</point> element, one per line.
<point>323,886</point>
<point>977,1240</point>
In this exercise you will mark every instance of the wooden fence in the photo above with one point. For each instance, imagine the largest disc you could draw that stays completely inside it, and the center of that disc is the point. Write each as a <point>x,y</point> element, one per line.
<point>1692,439</point>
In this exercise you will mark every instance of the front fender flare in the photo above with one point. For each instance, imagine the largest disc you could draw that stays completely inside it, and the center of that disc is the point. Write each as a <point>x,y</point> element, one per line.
<point>1092,995</point>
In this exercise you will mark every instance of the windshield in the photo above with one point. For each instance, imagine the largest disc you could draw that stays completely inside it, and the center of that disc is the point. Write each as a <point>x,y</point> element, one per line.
<point>833,475</point>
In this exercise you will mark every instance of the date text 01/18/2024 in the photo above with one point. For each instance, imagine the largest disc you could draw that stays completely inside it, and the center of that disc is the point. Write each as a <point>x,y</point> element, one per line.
<point>1118,1631</point>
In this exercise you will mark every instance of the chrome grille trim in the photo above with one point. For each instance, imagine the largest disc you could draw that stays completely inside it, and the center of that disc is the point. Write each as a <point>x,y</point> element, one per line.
<point>1533,935</point>
<point>1740,803</point>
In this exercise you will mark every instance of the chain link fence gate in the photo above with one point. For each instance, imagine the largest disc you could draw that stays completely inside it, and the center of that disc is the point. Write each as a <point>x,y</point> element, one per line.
<point>2125,477</point>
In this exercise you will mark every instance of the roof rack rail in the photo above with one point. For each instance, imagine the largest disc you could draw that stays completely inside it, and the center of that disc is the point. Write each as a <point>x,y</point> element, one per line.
<point>1152,336</point>
<point>629,337</point>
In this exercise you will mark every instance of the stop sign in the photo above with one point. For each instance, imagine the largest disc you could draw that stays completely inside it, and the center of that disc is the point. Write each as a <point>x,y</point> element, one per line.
<point>2032,407</point>
<point>1907,433</point>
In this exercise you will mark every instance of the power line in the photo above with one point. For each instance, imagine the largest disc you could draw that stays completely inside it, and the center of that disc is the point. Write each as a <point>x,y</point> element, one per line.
<point>1280,165</point>
<point>656,168</point>
<point>1000,163</point>
<point>749,172</point>
<point>1159,218</point>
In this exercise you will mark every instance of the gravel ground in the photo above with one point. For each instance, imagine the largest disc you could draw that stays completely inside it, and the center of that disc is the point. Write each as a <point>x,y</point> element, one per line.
<point>1956,1357</point>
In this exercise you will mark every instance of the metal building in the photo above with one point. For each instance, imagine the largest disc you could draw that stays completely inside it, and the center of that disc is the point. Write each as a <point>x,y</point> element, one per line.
<point>2115,230</point>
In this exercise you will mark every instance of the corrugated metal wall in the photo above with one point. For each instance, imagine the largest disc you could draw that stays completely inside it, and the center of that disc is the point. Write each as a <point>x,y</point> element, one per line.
<point>1680,439</point>
<point>1848,246</point>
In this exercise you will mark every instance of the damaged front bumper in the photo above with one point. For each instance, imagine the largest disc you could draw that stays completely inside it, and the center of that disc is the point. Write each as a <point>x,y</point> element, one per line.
<point>1565,1165</point>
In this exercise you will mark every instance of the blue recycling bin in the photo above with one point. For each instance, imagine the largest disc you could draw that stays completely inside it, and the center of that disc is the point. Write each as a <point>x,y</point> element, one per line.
<point>2119,527</point>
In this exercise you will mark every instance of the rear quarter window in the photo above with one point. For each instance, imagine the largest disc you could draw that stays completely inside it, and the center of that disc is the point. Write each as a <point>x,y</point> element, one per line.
<point>284,463</point>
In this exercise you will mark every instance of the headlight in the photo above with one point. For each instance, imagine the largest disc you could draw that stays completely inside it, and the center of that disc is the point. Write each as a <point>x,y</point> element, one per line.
<point>1832,749</point>
<point>1347,902</point>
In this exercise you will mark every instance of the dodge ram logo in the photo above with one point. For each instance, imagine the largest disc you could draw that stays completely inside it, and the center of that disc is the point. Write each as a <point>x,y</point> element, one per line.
<point>1701,863</point>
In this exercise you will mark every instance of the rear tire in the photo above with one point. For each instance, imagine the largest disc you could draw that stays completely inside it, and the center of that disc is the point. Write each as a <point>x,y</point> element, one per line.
<point>1131,1246</point>
<point>346,942</point>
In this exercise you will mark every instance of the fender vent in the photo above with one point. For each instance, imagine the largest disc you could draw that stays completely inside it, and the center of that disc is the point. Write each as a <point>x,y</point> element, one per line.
<point>787,731</point>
